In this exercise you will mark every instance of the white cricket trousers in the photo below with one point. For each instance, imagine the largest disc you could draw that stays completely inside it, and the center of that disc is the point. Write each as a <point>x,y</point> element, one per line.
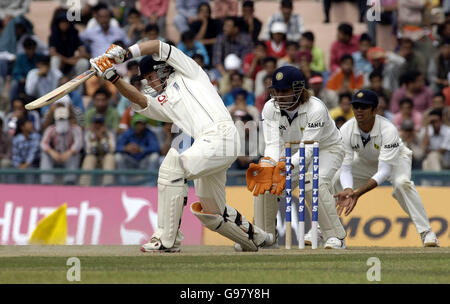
<point>206,162</point>
<point>404,190</point>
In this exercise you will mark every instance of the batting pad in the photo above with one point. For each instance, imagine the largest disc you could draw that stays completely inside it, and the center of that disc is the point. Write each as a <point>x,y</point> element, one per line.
<point>232,225</point>
<point>172,197</point>
<point>266,209</point>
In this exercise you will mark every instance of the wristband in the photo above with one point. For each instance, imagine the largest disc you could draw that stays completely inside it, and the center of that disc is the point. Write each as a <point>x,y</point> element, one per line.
<point>134,51</point>
<point>112,76</point>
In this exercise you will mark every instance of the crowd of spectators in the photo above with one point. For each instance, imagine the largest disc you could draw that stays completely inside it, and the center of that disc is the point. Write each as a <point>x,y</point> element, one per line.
<point>95,127</point>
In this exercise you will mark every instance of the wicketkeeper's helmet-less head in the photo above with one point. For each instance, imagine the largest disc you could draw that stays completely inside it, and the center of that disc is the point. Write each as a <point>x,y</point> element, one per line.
<point>284,79</point>
<point>163,70</point>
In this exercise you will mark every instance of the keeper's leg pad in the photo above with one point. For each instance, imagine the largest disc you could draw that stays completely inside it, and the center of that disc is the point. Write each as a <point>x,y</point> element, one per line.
<point>172,197</point>
<point>329,222</point>
<point>266,209</point>
<point>231,225</point>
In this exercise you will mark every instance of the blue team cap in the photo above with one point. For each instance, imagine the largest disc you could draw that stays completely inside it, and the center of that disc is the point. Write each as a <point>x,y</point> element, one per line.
<point>287,77</point>
<point>365,96</point>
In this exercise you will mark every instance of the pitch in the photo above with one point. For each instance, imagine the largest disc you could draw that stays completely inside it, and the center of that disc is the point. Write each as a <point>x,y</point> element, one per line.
<point>222,265</point>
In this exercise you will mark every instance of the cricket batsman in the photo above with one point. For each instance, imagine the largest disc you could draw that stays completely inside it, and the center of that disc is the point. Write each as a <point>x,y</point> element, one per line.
<point>184,95</point>
<point>374,152</point>
<point>292,114</point>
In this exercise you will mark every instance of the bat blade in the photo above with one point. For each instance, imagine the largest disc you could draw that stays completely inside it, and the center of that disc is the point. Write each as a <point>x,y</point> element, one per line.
<point>60,92</point>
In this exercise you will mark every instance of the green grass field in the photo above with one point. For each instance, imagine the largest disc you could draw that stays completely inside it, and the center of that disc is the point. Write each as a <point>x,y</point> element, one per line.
<point>217,265</point>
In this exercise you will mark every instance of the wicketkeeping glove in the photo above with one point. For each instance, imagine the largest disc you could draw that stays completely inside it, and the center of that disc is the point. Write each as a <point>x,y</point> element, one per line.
<point>259,176</point>
<point>279,177</point>
<point>105,68</point>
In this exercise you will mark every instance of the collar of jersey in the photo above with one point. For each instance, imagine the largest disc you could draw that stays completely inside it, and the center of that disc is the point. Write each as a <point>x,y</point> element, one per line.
<point>284,113</point>
<point>375,129</point>
<point>302,108</point>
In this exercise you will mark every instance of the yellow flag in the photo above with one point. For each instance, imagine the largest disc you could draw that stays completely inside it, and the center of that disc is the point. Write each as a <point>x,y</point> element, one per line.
<point>52,229</point>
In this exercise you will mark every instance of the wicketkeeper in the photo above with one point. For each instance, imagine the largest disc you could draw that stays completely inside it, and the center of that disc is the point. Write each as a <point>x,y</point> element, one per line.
<point>183,94</point>
<point>374,152</point>
<point>292,114</point>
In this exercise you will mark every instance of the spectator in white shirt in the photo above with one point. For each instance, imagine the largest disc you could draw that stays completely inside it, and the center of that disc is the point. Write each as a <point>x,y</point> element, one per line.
<point>435,142</point>
<point>93,22</point>
<point>294,22</point>
<point>100,37</point>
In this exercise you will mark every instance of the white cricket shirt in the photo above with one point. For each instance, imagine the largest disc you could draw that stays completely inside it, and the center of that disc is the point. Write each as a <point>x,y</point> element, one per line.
<point>311,122</point>
<point>385,143</point>
<point>189,99</point>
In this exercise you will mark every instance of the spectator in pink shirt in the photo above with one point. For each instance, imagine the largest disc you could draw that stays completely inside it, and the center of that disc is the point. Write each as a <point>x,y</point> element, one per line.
<point>408,113</point>
<point>346,43</point>
<point>412,86</point>
<point>156,11</point>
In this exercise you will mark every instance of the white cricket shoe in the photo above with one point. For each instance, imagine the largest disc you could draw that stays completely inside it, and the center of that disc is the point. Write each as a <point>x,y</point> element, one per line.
<point>334,243</point>
<point>268,243</point>
<point>308,238</point>
<point>429,239</point>
<point>273,244</point>
<point>155,245</point>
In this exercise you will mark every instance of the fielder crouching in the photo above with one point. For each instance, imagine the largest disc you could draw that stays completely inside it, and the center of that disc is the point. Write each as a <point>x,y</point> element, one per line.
<point>183,94</point>
<point>294,115</point>
<point>374,152</point>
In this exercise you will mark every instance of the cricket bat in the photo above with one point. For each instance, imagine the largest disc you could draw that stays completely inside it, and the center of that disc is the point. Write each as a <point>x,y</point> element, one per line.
<point>61,91</point>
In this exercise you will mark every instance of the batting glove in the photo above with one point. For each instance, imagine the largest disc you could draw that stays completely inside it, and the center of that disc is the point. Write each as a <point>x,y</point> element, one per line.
<point>104,68</point>
<point>118,54</point>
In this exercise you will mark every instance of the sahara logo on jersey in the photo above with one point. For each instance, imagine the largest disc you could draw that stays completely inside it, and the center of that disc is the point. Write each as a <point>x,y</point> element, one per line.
<point>313,125</point>
<point>162,99</point>
<point>392,146</point>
